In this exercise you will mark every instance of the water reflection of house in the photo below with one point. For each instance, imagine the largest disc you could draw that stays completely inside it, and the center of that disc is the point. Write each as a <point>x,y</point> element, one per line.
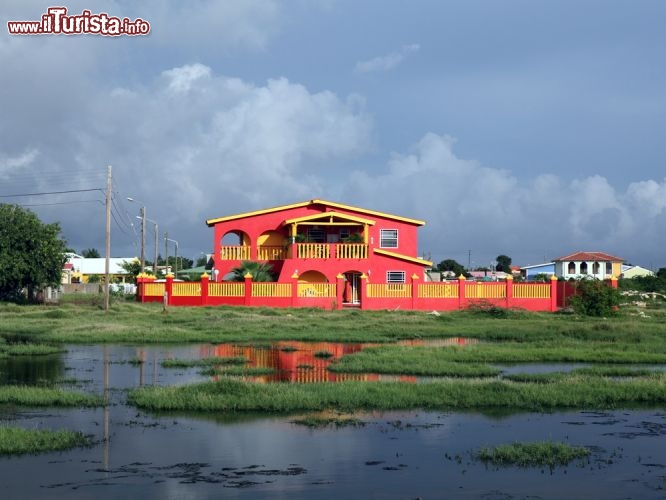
<point>302,362</point>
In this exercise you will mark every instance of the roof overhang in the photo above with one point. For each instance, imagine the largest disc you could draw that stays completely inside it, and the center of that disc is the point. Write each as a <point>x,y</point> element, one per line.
<point>211,222</point>
<point>400,256</point>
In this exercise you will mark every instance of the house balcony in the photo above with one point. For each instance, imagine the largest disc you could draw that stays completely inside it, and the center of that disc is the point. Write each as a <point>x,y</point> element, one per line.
<point>296,251</point>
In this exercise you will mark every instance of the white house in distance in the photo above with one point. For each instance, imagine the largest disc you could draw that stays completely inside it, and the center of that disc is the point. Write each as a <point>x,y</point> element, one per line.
<point>635,271</point>
<point>79,269</point>
<point>598,265</point>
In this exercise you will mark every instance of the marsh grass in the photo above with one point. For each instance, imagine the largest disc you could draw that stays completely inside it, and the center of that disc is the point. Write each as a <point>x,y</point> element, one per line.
<point>145,323</point>
<point>27,349</point>
<point>20,395</point>
<point>19,441</point>
<point>192,363</point>
<point>574,391</point>
<point>538,454</point>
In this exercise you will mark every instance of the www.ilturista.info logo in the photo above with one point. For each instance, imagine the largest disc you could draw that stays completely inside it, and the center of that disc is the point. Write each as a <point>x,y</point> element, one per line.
<point>57,22</point>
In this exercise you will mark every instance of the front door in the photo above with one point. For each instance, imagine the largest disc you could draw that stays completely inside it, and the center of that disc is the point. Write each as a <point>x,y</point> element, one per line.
<point>352,292</point>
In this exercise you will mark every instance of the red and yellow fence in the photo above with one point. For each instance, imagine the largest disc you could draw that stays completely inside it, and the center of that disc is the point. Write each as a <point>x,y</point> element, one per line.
<point>458,294</point>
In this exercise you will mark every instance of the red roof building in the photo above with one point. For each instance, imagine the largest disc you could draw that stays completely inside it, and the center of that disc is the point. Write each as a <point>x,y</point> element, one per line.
<point>598,265</point>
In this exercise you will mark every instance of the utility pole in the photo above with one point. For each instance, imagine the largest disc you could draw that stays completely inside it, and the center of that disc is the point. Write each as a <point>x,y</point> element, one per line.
<point>166,252</point>
<point>155,262</point>
<point>469,260</point>
<point>143,239</point>
<point>108,238</point>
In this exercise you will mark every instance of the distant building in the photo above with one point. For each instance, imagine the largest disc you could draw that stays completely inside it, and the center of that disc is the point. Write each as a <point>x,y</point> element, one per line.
<point>78,269</point>
<point>598,265</point>
<point>635,271</point>
<point>529,273</point>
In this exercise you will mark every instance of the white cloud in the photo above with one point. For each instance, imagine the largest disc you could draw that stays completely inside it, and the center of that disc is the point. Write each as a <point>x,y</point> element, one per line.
<point>387,62</point>
<point>490,211</point>
<point>194,145</point>
<point>13,165</point>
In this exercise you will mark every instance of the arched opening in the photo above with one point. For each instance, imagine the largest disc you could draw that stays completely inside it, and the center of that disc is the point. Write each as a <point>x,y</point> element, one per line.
<point>571,269</point>
<point>314,284</point>
<point>583,268</point>
<point>595,268</point>
<point>271,246</point>
<point>235,245</point>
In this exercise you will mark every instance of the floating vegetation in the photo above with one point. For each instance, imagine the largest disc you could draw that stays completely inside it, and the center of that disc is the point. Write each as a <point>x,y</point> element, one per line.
<point>193,363</point>
<point>18,441</point>
<point>538,454</point>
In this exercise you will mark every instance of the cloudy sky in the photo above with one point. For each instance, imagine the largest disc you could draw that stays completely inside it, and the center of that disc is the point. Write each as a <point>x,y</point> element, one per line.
<point>518,127</point>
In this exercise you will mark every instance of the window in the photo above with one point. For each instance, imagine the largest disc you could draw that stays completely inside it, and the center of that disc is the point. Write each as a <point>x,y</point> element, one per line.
<point>344,234</point>
<point>571,269</point>
<point>316,235</point>
<point>395,276</point>
<point>609,268</point>
<point>388,238</point>
<point>583,268</point>
<point>595,268</point>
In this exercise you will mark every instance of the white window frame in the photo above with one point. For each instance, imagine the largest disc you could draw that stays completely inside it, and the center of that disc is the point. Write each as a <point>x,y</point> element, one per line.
<point>392,275</point>
<point>382,238</point>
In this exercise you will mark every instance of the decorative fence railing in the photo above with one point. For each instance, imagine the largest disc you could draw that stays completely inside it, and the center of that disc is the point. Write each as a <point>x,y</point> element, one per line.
<point>458,294</point>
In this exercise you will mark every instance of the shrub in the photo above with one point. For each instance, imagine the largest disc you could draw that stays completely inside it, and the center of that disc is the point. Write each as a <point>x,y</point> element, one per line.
<point>595,298</point>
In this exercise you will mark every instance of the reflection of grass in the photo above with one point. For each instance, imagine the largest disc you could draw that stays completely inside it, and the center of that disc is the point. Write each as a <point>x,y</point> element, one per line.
<point>326,419</point>
<point>44,396</point>
<point>533,454</point>
<point>191,363</point>
<point>575,391</point>
<point>17,441</point>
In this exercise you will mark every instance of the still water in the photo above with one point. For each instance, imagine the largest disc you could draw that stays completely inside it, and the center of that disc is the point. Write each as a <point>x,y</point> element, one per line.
<point>391,455</point>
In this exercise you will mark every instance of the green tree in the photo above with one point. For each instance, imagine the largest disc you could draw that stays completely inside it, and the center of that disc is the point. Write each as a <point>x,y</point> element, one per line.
<point>31,253</point>
<point>260,271</point>
<point>503,264</point>
<point>90,253</point>
<point>202,261</point>
<point>133,268</point>
<point>452,266</point>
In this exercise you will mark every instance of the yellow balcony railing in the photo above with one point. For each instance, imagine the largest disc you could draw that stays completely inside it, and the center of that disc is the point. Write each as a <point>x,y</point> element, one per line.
<point>313,250</point>
<point>235,252</point>
<point>268,252</point>
<point>351,251</point>
<point>316,290</point>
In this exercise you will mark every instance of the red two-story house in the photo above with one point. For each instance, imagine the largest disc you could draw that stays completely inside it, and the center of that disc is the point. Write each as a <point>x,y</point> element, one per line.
<point>318,241</point>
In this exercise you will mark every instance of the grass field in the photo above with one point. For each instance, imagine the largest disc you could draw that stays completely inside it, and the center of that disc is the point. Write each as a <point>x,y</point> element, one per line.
<point>470,379</point>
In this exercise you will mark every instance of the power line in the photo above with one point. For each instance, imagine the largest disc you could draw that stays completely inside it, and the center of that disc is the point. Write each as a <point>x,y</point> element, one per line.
<point>60,203</point>
<point>51,192</point>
